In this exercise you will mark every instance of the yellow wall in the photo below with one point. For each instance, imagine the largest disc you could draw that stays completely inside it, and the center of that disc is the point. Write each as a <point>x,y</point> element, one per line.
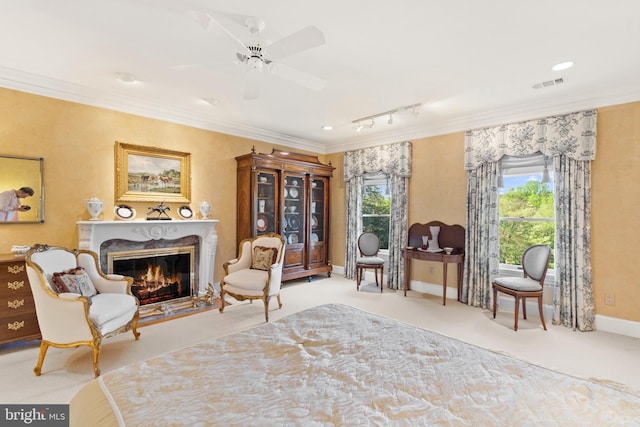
<point>77,143</point>
<point>615,211</point>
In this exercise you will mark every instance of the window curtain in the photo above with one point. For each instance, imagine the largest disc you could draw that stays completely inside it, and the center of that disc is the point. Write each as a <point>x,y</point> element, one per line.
<point>395,161</point>
<point>570,140</point>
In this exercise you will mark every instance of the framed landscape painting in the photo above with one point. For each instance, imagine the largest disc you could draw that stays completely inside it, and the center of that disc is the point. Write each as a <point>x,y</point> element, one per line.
<point>151,174</point>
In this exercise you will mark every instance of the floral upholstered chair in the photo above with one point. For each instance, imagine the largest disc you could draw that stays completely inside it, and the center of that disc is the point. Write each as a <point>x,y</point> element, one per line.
<point>77,304</point>
<point>256,273</point>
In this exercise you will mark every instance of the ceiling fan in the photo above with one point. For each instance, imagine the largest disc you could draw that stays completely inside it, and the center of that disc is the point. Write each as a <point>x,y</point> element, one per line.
<point>259,56</point>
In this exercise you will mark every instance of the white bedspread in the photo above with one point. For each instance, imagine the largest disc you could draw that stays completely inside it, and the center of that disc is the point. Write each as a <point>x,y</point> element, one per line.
<point>336,365</point>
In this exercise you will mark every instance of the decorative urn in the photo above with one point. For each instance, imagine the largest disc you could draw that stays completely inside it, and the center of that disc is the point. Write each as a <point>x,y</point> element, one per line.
<point>205,209</point>
<point>94,206</point>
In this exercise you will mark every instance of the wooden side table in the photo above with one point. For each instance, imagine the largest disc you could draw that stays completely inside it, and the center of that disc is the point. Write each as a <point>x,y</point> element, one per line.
<point>453,258</point>
<point>449,236</point>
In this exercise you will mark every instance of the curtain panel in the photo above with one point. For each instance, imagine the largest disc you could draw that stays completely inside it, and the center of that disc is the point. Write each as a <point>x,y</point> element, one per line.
<point>395,161</point>
<point>570,140</point>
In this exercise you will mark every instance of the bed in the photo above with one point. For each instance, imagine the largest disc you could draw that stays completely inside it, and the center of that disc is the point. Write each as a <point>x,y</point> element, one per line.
<point>337,365</point>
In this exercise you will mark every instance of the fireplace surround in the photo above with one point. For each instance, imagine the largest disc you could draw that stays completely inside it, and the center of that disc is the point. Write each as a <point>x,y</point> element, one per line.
<point>116,238</point>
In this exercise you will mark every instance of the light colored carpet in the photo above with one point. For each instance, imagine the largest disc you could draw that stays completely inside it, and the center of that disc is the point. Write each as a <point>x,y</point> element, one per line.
<point>595,355</point>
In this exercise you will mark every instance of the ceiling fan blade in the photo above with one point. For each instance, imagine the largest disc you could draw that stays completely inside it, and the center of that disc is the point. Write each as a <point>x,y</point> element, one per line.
<point>252,85</point>
<point>300,77</point>
<point>210,21</point>
<point>304,39</point>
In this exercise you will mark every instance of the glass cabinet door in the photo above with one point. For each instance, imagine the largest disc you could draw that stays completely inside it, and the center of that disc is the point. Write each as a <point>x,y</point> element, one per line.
<point>266,207</point>
<point>317,209</point>
<point>293,224</point>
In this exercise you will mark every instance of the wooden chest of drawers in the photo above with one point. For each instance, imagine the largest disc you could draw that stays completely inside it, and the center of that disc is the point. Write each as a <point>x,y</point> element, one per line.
<point>18,319</point>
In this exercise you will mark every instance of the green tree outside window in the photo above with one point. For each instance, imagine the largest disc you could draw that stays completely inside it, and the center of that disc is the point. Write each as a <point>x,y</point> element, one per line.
<point>526,218</point>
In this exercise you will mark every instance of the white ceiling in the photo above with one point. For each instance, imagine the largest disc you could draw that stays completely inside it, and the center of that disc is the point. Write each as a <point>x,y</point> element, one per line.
<point>469,63</point>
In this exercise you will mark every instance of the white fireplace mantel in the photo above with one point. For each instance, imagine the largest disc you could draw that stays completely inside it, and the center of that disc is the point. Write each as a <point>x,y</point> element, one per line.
<point>91,234</point>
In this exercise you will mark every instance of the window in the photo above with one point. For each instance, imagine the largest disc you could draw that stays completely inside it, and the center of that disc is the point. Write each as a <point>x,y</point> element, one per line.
<point>526,208</point>
<point>376,207</point>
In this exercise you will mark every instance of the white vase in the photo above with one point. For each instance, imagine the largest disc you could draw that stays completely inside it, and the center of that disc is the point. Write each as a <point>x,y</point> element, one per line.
<point>433,243</point>
<point>94,206</point>
<point>205,209</point>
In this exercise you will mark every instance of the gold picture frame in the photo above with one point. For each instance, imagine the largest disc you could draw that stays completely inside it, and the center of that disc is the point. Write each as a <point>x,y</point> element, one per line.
<point>151,174</point>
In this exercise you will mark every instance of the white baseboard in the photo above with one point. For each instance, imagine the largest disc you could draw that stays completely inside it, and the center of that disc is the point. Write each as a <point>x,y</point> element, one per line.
<point>612,325</point>
<point>618,326</point>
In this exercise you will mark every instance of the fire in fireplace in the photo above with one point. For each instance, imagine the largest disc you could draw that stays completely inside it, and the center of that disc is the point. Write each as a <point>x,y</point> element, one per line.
<point>159,275</point>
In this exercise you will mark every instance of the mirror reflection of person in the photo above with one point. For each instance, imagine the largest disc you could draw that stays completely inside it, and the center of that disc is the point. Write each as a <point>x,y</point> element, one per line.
<point>10,205</point>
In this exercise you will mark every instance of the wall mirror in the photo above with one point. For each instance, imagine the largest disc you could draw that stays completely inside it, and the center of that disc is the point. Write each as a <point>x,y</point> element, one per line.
<point>15,173</point>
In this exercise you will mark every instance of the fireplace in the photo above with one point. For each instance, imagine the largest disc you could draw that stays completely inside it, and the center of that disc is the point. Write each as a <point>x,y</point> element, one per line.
<point>159,275</point>
<point>187,244</point>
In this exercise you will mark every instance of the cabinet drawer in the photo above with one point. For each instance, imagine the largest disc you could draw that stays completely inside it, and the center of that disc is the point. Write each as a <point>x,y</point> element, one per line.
<point>11,305</point>
<point>14,284</point>
<point>19,326</point>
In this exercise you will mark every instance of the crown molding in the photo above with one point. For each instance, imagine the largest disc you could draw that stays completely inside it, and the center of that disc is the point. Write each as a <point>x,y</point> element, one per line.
<point>611,96</point>
<point>53,88</point>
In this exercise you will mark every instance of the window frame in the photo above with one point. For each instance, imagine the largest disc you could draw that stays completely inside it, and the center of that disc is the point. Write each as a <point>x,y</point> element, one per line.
<point>375,179</point>
<point>535,168</point>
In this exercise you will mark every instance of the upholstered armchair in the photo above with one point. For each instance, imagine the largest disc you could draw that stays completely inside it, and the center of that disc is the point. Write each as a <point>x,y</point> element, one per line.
<point>256,273</point>
<point>76,303</point>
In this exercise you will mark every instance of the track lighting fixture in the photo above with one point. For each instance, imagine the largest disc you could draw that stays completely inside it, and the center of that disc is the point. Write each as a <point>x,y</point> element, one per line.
<point>362,123</point>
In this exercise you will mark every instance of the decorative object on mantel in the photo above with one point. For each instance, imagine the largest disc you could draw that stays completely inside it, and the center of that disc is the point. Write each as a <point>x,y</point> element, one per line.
<point>94,206</point>
<point>161,210</point>
<point>124,212</point>
<point>205,209</point>
<point>185,212</point>
<point>19,250</point>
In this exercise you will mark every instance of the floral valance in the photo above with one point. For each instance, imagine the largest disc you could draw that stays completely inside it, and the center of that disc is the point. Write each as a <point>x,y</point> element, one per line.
<point>392,159</point>
<point>573,135</point>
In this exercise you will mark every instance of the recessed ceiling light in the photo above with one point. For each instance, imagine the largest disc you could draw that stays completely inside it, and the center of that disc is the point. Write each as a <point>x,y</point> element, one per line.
<point>327,127</point>
<point>211,101</point>
<point>562,66</point>
<point>126,77</point>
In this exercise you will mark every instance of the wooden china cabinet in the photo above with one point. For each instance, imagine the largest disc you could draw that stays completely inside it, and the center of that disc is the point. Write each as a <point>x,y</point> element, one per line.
<point>288,194</point>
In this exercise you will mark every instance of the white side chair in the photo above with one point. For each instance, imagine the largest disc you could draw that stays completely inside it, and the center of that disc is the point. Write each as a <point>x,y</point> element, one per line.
<point>369,246</point>
<point>71,319</point>
<point>535,262</point>
<point>256,273</point>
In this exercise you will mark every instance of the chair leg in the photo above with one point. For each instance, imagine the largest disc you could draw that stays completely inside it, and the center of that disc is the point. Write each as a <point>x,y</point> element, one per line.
<point>279,302</point>
<point>375,273</point>
<point>541,315</point>
<point>358,277</point>
<point>96,355</point>
<point>266,309</point>
<point>221,309</point>
<point>134,326</point>
<point>524,307</point>
<point>517,308</point>
<point>44,346</point>
<point>495,299</point>
<point>381,277</point>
